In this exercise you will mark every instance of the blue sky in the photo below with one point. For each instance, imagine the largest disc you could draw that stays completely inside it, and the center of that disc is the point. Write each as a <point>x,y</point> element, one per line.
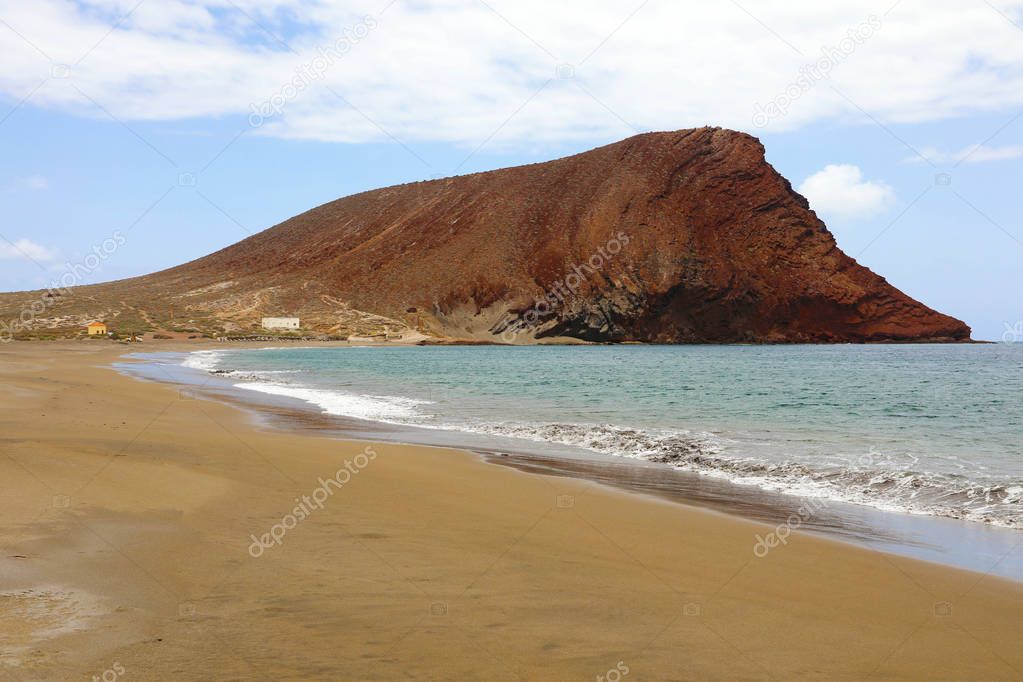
<point>151,134</point>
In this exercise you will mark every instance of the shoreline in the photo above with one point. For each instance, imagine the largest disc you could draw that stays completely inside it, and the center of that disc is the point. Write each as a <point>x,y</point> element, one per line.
<point>958,543</point>
<point>129,506</point>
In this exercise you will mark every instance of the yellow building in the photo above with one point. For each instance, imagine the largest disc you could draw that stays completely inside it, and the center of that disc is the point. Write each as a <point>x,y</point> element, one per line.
<point>97,328</point>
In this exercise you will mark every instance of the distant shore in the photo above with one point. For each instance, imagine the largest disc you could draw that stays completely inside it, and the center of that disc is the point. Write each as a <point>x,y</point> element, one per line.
<point>170,536</point>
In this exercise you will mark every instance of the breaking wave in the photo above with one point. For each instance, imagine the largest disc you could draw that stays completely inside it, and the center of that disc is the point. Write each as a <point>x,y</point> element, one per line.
<point>378,408</point>
<point>205,360</point>
<point>870,479</point>
<point>874,479</point>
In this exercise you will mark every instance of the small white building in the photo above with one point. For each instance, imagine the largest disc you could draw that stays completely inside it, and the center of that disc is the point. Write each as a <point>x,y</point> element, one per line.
<point>280,323</point>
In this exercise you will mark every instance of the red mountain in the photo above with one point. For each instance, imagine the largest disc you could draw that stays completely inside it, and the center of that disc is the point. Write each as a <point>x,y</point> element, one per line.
<point>687,236</point>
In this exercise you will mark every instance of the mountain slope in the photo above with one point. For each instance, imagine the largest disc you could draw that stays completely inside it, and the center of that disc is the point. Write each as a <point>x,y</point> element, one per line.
<point>687,236</point>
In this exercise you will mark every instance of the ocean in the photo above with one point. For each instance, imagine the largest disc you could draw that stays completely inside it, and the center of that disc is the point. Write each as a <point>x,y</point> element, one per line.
<point>924,429</point>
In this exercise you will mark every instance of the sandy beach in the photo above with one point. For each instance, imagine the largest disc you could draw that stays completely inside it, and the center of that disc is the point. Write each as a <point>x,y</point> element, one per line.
<point>151,535</point>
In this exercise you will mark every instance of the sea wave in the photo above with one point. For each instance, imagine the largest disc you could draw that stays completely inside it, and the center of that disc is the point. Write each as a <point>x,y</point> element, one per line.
<point>205,360</point>
<point>379,408</point>
<point>872,478</point>
<point>210,361</point>
<point>267,375</point>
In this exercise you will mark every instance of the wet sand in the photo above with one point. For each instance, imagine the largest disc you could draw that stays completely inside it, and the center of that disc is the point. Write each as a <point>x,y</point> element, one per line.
<point>129,510</point>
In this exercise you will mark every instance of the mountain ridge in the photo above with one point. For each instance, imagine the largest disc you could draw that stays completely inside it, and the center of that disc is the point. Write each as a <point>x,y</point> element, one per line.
<point>710,244</point>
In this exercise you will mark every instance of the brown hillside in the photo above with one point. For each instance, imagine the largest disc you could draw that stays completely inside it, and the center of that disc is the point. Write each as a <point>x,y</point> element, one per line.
<point>687,236</point>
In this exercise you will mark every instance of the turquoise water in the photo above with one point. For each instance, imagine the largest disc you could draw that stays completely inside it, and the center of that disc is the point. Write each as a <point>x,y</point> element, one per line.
<point>924,429</point>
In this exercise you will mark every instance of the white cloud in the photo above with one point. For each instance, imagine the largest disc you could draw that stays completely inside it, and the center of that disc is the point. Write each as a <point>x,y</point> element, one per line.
<point>974,153</point>
<point>840,192</point>
<point>25,249</point>
<point>463,70</point>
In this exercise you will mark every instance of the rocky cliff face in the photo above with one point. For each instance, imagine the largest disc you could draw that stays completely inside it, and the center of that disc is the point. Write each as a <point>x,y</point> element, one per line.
<point>688,236</point>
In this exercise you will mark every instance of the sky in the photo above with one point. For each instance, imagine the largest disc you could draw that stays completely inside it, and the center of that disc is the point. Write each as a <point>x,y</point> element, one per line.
<point>152,132</point>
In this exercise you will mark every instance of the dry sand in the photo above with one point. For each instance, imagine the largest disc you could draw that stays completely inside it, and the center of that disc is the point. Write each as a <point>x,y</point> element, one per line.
<point>126,522</point>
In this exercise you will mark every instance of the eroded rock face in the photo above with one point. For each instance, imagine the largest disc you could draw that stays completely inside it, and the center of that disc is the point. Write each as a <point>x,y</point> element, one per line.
<point>687,236</point>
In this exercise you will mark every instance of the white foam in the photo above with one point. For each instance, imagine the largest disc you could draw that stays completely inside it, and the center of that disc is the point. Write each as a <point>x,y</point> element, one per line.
<point>205,360</point>
<point>380,408</point>
<point>252,375</point>
<point>876,480</point>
